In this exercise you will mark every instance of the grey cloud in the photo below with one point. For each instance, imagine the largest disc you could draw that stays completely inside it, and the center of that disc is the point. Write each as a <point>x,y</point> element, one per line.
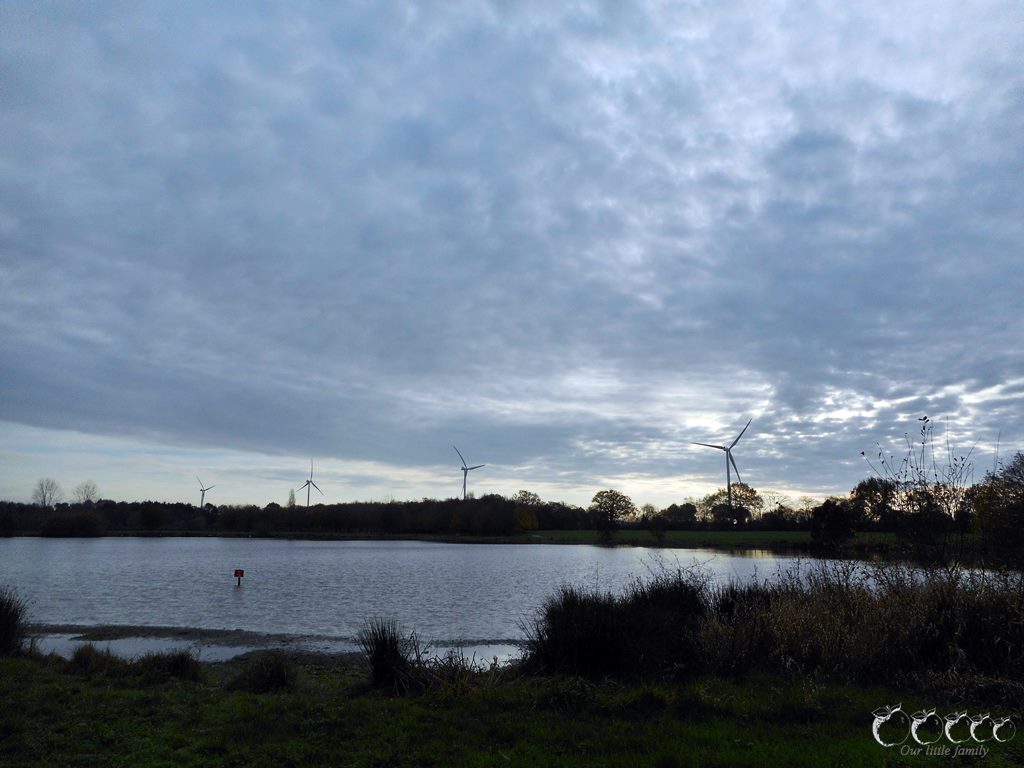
<point>304,222</point>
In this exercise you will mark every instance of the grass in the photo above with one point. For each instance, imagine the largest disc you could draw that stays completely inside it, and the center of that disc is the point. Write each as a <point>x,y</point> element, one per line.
<point>776,541</point>
<point>51,716</point>
<point>683,539</point>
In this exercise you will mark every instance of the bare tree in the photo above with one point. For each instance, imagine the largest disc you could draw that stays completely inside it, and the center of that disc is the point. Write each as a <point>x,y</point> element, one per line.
<point>86,492</point>
<point>47,492</point>
<point>773,500</point>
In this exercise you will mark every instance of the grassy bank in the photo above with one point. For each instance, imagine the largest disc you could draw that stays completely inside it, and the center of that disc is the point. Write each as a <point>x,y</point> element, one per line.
<point>676,670</point>
<point>54,714</point>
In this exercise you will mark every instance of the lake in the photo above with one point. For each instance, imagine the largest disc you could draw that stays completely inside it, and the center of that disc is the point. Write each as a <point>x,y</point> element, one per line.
<point>315,595</point>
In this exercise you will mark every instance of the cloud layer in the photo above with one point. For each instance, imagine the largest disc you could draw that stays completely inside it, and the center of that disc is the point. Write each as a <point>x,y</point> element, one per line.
<point>569,240</point>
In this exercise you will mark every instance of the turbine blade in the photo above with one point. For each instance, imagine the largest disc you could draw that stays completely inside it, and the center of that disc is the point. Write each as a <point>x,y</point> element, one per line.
<point>316,486</point>
<point>740,434</point>
<point>210,488</point>
<point>200,481</point>
<point>476,467</point>
<point>733,462</point>
<point>460,456</point>
<point>709,445</point>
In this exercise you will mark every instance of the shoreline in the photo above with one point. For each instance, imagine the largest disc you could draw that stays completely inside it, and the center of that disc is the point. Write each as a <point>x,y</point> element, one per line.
<point>220,645</point>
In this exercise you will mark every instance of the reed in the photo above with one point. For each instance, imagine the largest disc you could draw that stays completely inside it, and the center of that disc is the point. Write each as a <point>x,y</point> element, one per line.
<point>843,620</point>
<point>12,622</point>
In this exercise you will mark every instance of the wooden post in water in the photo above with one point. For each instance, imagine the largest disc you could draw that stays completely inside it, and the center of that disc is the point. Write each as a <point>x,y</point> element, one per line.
<point>239,573</point>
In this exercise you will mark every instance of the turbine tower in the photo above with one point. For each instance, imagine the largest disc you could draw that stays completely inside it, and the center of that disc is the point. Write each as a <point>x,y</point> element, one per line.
<point>310,484</point>
<point>465,472</point>
<point>729,460</point>
<point>202,495</point>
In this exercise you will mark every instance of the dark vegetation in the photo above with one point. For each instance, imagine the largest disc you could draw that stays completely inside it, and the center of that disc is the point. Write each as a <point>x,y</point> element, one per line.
<point>50,716</point>
<point>271,672</point>
<point>12,622</point>
<point>650,630</point>
<point>845,621</point>
<point>387,652</point>
<point>954,630</point>
<point>486,516</point>
<point>89,661</point>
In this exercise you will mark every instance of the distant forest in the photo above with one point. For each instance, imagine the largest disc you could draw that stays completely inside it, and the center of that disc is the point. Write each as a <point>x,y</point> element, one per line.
<point>916,506</point>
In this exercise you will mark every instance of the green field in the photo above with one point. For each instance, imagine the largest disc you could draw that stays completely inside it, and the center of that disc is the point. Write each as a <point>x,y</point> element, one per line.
<point>694,539</point>
<point>730,540</point>
<point>52,716</point>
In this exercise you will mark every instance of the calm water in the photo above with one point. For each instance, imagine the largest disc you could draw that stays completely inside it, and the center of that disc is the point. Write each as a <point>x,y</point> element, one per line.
<point>472,594</point>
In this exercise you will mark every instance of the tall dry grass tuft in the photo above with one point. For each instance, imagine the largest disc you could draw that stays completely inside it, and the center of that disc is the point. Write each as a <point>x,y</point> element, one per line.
<point>861,622</point>
<point>387,653</point>
<point>12,622</point>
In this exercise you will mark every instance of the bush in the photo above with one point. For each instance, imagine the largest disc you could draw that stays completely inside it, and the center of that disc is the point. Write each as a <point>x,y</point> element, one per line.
<point>12,622</point>
<point>90,661</point>
<point>267,673</point>
<point>161,667</point>
<point>649,630</point>
<point>577,633</point>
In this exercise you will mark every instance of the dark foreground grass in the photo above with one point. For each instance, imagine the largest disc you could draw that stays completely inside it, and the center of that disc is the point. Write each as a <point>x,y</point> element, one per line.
<point>52,716</point>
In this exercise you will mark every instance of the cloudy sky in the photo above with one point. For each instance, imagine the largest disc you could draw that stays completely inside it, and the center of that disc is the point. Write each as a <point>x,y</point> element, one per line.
<point>567,237</point>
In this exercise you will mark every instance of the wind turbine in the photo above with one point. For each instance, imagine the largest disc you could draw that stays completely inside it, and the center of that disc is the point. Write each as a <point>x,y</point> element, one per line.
<point>202,495</point>
<point>310,484</point>
<point>465,472</point>
<point>729,460</point>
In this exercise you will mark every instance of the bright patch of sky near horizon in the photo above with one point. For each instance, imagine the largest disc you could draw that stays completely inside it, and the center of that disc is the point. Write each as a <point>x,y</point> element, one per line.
<point>567,238</point>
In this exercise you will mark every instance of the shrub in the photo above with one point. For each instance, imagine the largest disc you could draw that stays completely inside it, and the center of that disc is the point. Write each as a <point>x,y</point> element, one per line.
<point>91,661</point>
<point>649,630</point>
<point>160,667</point>
<point>267,673</point>
<point>12,622</point>
<point>577,633</point>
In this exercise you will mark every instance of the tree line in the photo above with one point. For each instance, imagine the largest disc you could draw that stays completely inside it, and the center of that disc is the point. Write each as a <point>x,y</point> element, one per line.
<point>925,509</point>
